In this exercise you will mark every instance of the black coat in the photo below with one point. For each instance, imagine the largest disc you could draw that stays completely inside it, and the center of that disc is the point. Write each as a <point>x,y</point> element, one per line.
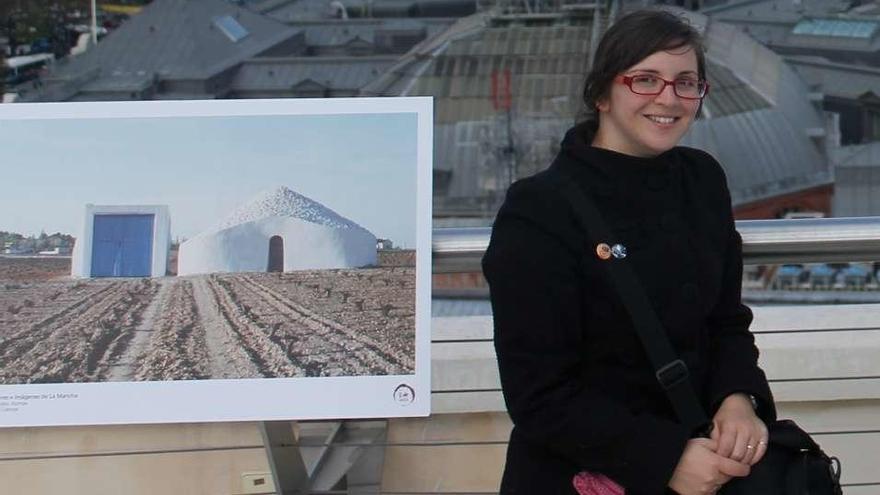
<point>577,383</point>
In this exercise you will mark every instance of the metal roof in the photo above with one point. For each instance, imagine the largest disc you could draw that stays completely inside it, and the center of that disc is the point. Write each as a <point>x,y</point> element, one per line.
<point>837,79</point>
<point>126,82</point>
<point>775,9</point>
<point>303,10</point>
<point>174,39</point>
<point>772,148</point>
<point>338,33</point>
<point>728,93</point>
<point>759,131</point>
<point>857,155</point>
<point>265,6</point>
<point>296,10</point>
<point>350,73</point>
<point>399,79</point>
<point>764,153</point>
<point>821,24</point>
<point>182,40</point>
<point>547,65</point>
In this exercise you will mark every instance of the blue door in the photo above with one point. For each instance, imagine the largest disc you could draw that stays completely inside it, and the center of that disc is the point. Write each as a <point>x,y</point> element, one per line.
<point>122,246</point>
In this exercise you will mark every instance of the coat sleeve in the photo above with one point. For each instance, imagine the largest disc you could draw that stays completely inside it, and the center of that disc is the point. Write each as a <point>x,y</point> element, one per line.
<point>537,291</point>
<point>733,353</point>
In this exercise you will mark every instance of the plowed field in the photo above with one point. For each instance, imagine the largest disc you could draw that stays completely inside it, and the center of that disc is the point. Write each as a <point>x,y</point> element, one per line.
<point>347,322</point>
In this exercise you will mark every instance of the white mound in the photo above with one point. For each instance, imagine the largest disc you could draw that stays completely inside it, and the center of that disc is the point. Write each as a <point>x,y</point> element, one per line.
<point>283,202</point>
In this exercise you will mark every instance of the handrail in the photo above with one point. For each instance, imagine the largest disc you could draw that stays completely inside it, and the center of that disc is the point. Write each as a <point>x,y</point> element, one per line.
<point>804,240</point>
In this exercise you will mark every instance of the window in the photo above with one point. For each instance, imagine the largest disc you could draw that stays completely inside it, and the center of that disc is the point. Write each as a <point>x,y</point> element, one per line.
<point>839,28</point>
<point>873,130</point>
<point>231,28</point>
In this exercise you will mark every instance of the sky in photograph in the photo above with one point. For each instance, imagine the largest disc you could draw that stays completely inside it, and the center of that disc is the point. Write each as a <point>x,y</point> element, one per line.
<point>362,166</point>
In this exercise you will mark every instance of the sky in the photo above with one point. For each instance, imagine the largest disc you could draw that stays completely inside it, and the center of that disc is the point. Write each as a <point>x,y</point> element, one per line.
<point>362,166</point>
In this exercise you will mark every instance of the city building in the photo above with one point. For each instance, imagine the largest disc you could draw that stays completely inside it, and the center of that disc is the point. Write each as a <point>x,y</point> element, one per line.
<point>507,87</point>
<point>833,45</point>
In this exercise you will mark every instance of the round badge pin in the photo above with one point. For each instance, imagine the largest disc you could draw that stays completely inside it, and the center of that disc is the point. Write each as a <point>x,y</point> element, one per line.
<point>603,251</point>
<point>618,251</point>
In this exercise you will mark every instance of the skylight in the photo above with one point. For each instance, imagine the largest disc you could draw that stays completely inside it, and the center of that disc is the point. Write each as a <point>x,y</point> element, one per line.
<point>836,27</point>
<point>231,28</point>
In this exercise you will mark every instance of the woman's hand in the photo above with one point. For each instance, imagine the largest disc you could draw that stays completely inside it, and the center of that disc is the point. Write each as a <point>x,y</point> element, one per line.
<point>701,471</point>
<point>738,431</point>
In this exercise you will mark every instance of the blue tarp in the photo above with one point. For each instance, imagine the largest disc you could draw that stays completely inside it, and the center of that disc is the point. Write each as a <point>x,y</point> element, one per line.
<point>122,246</point>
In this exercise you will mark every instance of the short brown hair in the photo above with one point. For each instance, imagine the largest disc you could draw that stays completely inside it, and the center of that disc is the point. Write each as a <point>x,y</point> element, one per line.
<point>631,39</point>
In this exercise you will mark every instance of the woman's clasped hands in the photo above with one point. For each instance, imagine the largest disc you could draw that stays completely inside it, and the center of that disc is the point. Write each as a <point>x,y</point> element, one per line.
<point>740,433</point>
<point>737,442</point>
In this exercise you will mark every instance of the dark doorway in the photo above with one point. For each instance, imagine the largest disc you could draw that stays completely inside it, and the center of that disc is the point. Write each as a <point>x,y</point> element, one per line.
<point>276,254</point>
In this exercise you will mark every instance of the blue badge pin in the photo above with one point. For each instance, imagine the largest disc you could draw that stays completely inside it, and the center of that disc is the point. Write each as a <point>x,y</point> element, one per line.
<point>618,251</point>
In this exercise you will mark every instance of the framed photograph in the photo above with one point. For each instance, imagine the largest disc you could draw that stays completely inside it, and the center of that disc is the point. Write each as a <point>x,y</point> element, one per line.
<point>190,261</point>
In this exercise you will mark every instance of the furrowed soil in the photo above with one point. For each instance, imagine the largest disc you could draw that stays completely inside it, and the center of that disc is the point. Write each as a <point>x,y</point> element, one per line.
<point>345,322</point>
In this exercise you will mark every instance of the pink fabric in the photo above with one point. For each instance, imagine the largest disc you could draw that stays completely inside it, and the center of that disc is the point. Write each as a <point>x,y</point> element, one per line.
<point>587,483</point>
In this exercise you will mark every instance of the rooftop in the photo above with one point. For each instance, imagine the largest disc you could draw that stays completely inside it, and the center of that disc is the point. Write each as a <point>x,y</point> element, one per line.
<point>792,25</point>
<point>340,73</point>
<point>755,99</point>
<point>836,78</point>
<point>173,40</point>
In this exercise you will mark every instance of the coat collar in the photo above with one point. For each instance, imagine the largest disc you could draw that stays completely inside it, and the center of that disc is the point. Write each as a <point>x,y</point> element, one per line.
<point>609,173</point>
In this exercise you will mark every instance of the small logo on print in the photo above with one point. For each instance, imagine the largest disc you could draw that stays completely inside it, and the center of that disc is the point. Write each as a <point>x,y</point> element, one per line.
<point>404,394</point>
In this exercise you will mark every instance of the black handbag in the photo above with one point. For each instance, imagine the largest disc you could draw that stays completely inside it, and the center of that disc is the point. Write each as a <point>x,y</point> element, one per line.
<point>794,464</point>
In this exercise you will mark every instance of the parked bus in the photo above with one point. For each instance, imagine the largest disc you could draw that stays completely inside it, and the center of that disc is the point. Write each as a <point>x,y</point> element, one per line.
<point>17,70</point>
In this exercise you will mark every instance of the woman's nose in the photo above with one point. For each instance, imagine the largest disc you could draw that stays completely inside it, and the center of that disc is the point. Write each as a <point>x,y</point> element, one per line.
<point>667,95</point>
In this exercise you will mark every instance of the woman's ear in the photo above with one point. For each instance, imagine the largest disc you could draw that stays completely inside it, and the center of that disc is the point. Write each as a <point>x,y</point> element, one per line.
<point>602,104</point>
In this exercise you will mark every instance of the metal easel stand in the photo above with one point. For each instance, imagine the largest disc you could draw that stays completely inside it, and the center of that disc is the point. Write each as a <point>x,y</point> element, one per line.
<point>340,456</point>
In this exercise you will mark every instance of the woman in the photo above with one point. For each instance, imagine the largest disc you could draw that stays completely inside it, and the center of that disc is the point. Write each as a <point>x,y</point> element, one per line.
<point>578,386</point>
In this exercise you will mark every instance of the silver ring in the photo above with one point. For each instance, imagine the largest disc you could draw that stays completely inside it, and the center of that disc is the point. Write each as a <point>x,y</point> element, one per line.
<point>750,447</point>
<point>762,442</point>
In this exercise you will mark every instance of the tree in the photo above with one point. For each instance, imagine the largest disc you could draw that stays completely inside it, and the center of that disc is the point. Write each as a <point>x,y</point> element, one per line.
<point>27,21</point>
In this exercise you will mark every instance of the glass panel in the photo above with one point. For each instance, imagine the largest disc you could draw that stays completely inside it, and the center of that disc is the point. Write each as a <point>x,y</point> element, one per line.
<point>835,27</point>
<point>231,28</point>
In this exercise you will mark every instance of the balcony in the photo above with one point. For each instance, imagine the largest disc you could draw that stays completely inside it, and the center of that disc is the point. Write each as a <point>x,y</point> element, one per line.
<point>822,361</point>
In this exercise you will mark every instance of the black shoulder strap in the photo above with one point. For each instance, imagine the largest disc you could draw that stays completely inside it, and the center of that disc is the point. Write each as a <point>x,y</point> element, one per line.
<point>670,371</point>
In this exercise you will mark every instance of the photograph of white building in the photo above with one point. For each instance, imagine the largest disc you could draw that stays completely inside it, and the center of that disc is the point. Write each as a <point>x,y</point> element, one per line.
<point>278,231</point>
<point>220,251</point>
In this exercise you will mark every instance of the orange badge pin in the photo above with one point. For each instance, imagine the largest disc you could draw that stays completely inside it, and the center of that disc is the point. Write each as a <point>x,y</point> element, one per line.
<point>603,251</point>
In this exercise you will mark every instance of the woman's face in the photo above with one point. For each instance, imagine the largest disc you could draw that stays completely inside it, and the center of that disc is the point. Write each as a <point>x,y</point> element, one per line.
<point>644,125</point>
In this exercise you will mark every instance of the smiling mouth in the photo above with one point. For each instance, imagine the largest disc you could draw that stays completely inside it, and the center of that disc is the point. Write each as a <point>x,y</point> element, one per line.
<point>662,120</point>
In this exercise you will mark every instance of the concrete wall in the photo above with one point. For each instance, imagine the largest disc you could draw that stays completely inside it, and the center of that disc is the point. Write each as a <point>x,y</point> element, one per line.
<point>821,361</point>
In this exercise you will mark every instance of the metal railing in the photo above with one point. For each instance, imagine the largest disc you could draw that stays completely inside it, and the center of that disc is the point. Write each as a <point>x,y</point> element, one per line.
<point>764,242</point>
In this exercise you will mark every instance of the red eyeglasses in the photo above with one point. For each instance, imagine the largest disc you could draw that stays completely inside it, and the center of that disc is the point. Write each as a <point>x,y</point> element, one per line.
<point>650,85</point>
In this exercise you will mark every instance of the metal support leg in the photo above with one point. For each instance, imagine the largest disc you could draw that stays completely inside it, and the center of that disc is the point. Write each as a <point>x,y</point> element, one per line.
<point>340,455</point>
<point>285,459</point>
<point>351,459</point>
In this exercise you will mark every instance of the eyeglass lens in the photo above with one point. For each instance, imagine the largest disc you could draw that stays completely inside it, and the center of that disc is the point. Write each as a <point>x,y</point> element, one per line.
<point>685,88</point>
